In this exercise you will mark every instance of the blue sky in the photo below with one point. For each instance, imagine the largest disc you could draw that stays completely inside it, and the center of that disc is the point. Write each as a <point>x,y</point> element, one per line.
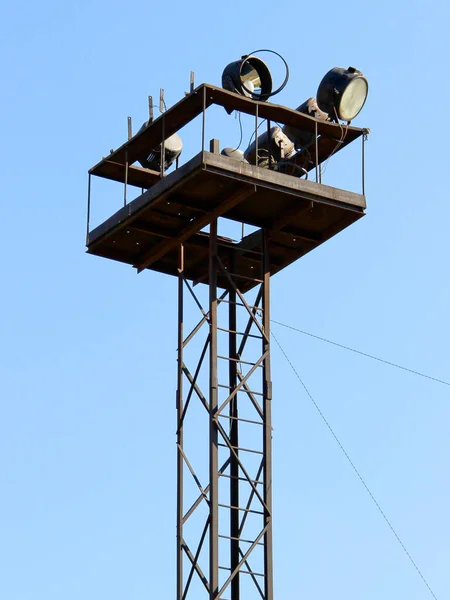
<point>87,441</point>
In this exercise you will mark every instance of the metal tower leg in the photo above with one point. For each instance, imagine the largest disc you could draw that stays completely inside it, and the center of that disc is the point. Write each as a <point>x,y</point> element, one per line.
<point>224,532</point>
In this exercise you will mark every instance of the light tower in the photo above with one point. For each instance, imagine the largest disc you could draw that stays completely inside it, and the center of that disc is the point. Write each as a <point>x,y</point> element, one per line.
<point>224,388</point>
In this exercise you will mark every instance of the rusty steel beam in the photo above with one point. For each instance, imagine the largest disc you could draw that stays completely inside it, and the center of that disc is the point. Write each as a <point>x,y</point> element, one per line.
<point>155,253</point>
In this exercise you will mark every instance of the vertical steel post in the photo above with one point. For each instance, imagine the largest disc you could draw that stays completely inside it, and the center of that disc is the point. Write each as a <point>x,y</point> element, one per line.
<point>267,427</point>
<point>150,109</point>
<point>204,119</point>
<point>88,217</point>
<point>179,406</point>
<point>363,183</point>
<point>256,137</point>
<point>317,152</point>
<point>126,178</point>
<point>213,431</point>
<point>163,143</point>
<point>234,437</point>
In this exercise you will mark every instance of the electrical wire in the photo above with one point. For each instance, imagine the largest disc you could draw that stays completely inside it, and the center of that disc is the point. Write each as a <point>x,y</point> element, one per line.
<point>251,137</point>
<point>340,142</point>
<point>382,360</point>
<point>240,127</point>
<point>352,464</point>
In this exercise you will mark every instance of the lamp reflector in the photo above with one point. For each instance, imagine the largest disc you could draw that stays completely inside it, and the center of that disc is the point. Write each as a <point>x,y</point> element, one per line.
<point>248,77</point>
<point>342,93</point>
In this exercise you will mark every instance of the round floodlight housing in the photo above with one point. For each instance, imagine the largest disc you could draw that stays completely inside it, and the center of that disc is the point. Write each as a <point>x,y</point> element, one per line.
<point>172,150</point>
<point>342,93</point>
<point>234,153</point>
<point>249,77</point>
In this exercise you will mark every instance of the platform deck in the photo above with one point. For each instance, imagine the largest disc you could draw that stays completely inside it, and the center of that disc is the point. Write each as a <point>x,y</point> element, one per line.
<point>299,214</point>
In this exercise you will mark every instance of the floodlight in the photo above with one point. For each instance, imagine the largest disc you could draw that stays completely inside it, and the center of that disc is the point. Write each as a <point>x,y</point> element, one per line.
<point>271,146</point>
<point>249,77</point>
<point>234,153</point>
<point>342,93</point>
<point>172,150</point>
<point>302,138</point>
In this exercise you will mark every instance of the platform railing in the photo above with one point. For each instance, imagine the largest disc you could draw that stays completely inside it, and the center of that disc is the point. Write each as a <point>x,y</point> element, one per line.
<point>328,139</point>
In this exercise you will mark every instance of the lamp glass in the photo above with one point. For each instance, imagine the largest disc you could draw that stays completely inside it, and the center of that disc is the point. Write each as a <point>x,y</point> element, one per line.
<point>250,78</point>
<point>353,98</point>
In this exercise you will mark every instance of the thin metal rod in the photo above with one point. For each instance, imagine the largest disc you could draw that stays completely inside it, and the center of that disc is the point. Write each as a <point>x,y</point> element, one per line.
<point>249,305</point>
<point>163,143</point>
<point>196,557</point>
<point>253,575</point>
<point>237,360</point>
<point>241,297</point>
<point>204,119</point>
<point>242,571</point>
<point>130,128</point>
<point>230,537</point>
<point>194,380</point>
<point>363,167</point>
<point>269,142</point>
<point>196,566</point>
<point>256,142</point>
<point>244,479</point>
<point>240,508</point>
<point>222,385</point>
<point>200,498</point>
<point>194,476</point>
<point>237,276</point>
<point>237,449</point>
<point>251,496</point>
<point>241,419</point>
<point>242,381</point>
<point>196,300</point>
<point>252,335</point>
<point>197,390</point>
<point>88,216</point>
<point>242,561</point>
<point>126,179</point>
<point>317,152</point>
<point>238,460</point>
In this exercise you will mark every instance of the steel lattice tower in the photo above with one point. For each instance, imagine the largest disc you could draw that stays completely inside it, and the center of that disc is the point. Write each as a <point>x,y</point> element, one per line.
<point>224,388</point>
